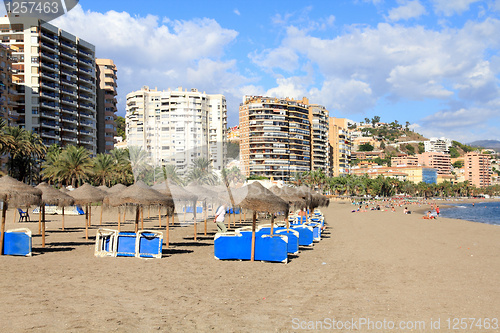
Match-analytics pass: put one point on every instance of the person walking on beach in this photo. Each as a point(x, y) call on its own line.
point(219, 218)
point(437, 210)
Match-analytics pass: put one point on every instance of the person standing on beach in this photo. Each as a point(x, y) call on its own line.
point(219, 218)
point(437, 210)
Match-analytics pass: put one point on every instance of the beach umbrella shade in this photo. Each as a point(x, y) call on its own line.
point(16, 193)
point(116, 189)
point(52, 197)
point(139, 195)
point(86, 195)
point(259, 199)
point(204, 194)
point(175, 193)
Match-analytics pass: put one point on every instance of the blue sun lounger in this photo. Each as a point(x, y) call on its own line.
point(316, 230)
point(293, 237)
point(238, 245)
point(125, 244)
point(17, 242)
point(105, 243)
point(149, 244)
point(306, 234)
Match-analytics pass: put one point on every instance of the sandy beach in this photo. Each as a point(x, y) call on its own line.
point(376, 265)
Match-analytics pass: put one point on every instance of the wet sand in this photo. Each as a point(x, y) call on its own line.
point(375, 265)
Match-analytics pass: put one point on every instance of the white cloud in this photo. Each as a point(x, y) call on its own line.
point(281, 57)
point(411, 9)
point(157, 51)
point(237, 12)
point(451, 7)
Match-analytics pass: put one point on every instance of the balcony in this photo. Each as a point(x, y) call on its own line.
point(68, 55)
point(68, 45)
point(49, 37)
point(49, 47)
point(71, 65)
point(87, 106)
point(68, 101)
point(69, 120)
point(50, 57)
point(49, 76)
point(50, 105)
point(51, 86)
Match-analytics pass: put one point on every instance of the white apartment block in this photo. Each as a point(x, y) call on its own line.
point(177, 126)
point(438, 145)
point(54, 74)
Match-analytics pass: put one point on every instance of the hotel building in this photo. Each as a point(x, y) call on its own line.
point(440, 161)
point(404, 160)
point(176, 127)
point(8, 91)
point(478, 169)
point(319, 120)
point(414, 174)
point(106, 105)
point(54, 74)
point(275, 137)
point(439, 145)
point(339, 146)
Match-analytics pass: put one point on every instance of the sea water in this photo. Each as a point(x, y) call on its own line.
point(484, 212)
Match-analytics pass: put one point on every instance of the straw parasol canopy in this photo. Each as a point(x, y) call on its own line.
point(116, 188)
point(87, 194)
point(290, 195)
point(258, 198)
point(17, 193)
point(103, 188)
point(202, 192)
point(138, 194)
point(52, 196)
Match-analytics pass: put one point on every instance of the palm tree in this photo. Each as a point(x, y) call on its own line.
point(104, 167)
point(24, 154)
point(6, 140)
point(50, 165)
point(139, 161)
point(170, 173)
point(75, 165)
point(201, 171)
point(122, 166)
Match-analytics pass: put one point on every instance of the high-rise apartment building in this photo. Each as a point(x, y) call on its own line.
point(404, 160)
point(106, 104)
point(339, 146)
point(177, 127)
point(318, 118)
point(54, 73)
point(437, 160)
point(478, 169)
point(440, 145)
point(8, 91)
point(275, 137)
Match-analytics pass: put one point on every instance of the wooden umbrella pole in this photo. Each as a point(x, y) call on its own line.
point(254, 220)
point(240, 214)
point(124, 212)
point(167, 229)
point(228, 220)
point(87, 221)
point(90, 215)
point(184, 218)
point(195, 224)
point(137, 218)
point(119, 216)
point(149, 211)
point(14, 220)
point(159, 215)
point(62, 217)
point(206, 216)
point(142, 218)
point(272, 224)
point(100, 221)
point(245, 215)
point(43, 226)
point(2, 231)
point(40, 220)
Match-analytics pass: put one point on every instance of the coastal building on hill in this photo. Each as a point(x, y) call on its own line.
point(8, 93)
point(404, 160)
point(178, 126)
point(339, 145)
point(438, 160)
point(477, 169)
point(438, 145)
point(54, 76)
point(414, 174)
point(106, 105)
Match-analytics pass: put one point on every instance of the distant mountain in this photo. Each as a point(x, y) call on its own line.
point(490, 144)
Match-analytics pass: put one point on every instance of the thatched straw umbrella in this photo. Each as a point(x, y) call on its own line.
point(51, 196)
point(204, 194)
point(16, 193)
point(117, 189)
point(86, 195)
point(139, 195)
point(105, 189)
point(259, 199)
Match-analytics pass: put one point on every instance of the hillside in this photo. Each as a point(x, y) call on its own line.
point(489, 144)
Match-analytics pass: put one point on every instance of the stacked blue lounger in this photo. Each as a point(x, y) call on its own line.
point(17, 242)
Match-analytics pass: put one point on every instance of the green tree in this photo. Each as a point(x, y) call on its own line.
point(375, 120)
point(365, 147)
point(75, 165)
point(454, 152)
point(458, 164)
point(233, 150)
point(421, 147)
point(201, 172)
point(103, 168)
point(120, 127)
point(410, 149)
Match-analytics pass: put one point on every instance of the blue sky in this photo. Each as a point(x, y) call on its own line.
point(433, 63)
